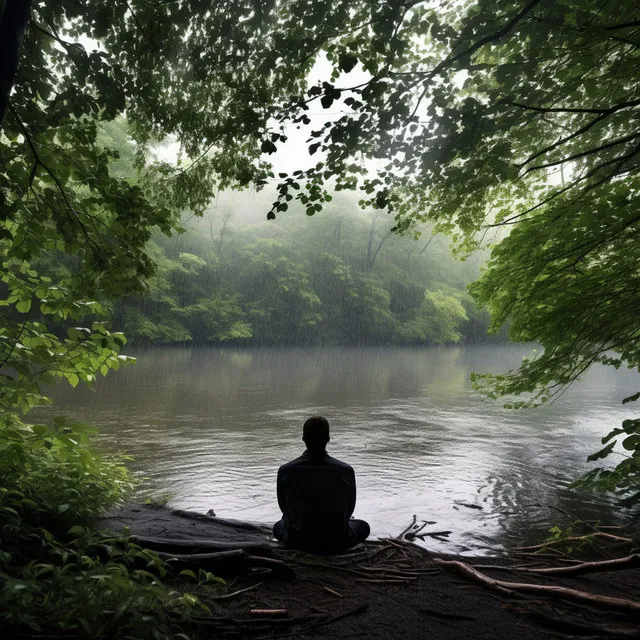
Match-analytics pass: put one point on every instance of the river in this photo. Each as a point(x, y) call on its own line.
point(212, 425)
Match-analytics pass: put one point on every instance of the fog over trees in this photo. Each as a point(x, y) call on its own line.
point(338, 278)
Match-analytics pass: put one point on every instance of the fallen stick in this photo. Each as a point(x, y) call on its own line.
point(399, 547)
point(390, 580)
point(172, 545)
point(228, 596)
point(217, 559)
point(505, 567)
point(415, 532)
point(401, 572)
point(535, 554)
point(587, 537)
point(235, 524)
point(565, 593)
point(628, 562)
point(332, 592)
point(407, 544)
point(270, 613)
point(411, 526)
point(365, 555)
point(226, 561)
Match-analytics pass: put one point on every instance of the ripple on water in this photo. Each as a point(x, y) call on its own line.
point(213, 425)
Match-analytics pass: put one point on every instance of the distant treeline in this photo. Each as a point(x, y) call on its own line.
point(338, 278)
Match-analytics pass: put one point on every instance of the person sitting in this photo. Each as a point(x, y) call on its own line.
point(317, 495)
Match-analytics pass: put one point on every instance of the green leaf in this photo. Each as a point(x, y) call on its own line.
point(347, 62)
point(603, 453)
point(631, 443)
point(268, 147)
point(189, 574)
point(632, 398)
point(24, 306)
point(40, 429)
point(326, 101)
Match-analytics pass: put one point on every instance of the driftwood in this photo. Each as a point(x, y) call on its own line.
point(236, 524)
point(416, 531)
point(565, 593)
point(438, 535)
point(390, 580)
point(628, 562)
point(270, 613)
point(575, 569)
point(226, 561)
point(170, 545)
point(408, 529)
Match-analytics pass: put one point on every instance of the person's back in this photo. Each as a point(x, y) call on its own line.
point(317, 495)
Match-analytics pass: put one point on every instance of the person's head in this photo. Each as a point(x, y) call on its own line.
point(315, 433)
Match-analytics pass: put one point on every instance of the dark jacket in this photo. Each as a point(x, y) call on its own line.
point(317, 495)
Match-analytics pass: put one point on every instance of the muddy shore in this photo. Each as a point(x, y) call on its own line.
point(384, 589)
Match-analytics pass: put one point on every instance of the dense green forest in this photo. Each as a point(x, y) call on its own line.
point(339, 278)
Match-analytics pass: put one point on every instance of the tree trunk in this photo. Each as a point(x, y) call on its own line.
point(13, 22)
point(375, 254)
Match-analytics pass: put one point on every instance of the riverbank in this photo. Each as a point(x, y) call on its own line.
point(384, 589)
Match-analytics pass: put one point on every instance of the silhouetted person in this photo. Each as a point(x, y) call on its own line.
point(317, 495)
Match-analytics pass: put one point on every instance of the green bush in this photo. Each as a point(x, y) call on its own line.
point(59, 475)
point(70, 580)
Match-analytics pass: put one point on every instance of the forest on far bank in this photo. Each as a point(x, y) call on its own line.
point(339, 278)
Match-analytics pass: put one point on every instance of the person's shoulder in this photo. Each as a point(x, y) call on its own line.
point(293, 463)
point(338, 463)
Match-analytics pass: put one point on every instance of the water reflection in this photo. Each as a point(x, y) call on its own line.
point(213, 425)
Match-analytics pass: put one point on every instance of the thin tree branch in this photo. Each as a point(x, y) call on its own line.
point(602, 110)
point(135, 18)
point(487, 39)
point(588, 152)
point(623, 25)
point(603, 114)
point(426, 246)
point(39, 161)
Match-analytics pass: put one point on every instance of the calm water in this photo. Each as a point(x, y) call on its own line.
point(212, 426)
